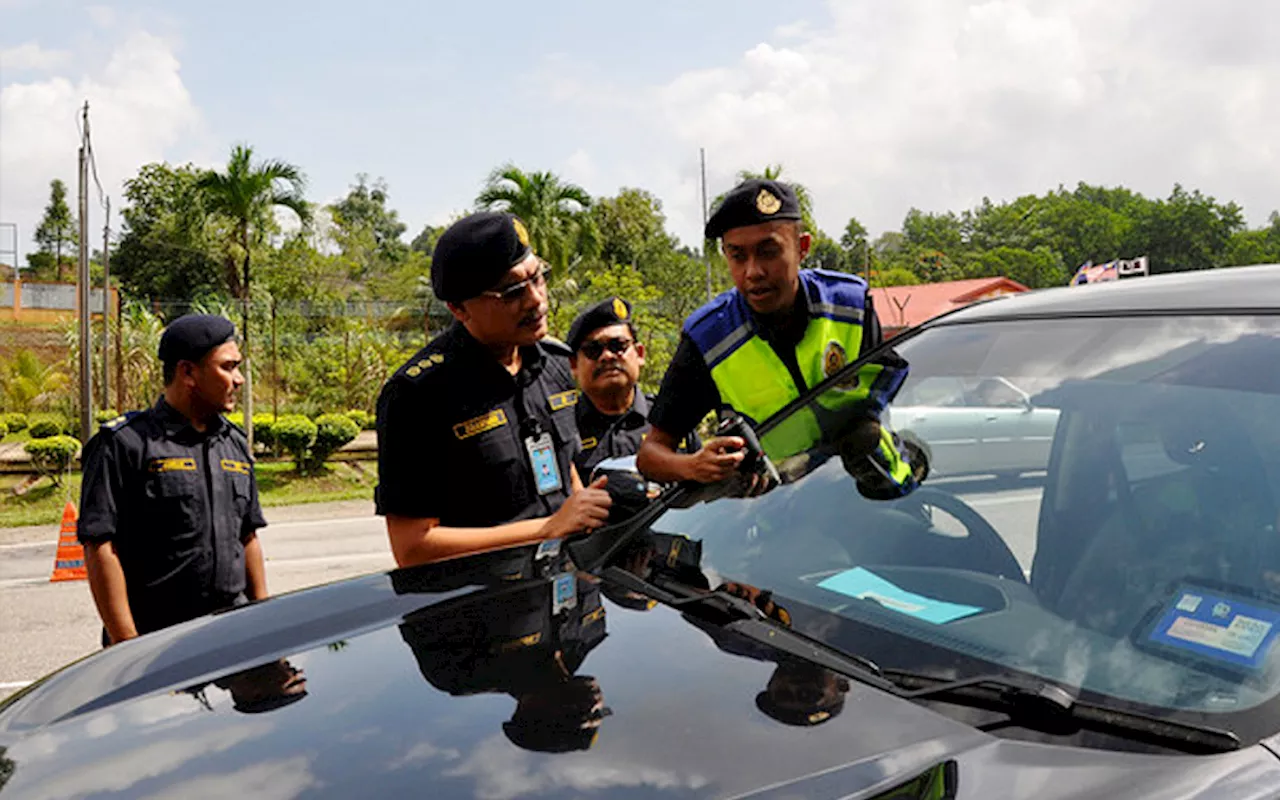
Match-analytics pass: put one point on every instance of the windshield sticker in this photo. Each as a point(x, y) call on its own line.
point(862, 584)
point(1219, 627)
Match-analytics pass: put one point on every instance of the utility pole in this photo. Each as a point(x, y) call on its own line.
point(106, 307)
point(85, 288)
point(706, 257)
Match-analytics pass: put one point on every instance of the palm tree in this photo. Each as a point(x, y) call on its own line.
point(27, 384)
point(247, 195)
point(555, 212)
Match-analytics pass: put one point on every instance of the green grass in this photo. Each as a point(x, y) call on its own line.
point(278, 485)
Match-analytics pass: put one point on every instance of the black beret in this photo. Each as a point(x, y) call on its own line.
point(753, 202)
point(475, 252)
point(614, 311)
point(189, 337)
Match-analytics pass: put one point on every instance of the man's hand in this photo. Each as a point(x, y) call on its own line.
point(719, 458)
point(585, 510)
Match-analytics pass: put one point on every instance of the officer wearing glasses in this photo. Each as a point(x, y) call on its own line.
point(476, 432)
point(607, 359)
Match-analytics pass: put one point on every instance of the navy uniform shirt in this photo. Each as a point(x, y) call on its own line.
point(177, 504)
point(452, 430)
point(616, 435)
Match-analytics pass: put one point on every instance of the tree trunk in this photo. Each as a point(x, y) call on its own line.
point(244, 335)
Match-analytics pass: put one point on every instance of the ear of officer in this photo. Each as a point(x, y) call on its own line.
point(476, 434)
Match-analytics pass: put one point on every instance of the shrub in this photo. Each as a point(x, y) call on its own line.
point(236, 418)
point(15, 421)
point(4, 429)
point(263, 430)
point(45, 428)
point(297, 435)
point(332, 432)
point(105, 415)
point(363, 419)
point(52, 455)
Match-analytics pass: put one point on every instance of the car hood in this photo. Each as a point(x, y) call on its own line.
point(403, 697)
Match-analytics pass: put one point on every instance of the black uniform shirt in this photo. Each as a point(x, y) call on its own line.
point(607, 436)
point(452, 429)
point(689, 392)
point(177, 504)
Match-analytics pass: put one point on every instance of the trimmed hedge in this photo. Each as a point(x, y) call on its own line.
point(52, 455)
point(14, 420)
point(297, 435)
point(105, 415)
point(47, 428)
point(363, 419)
point(4, 429)
point(332, 432)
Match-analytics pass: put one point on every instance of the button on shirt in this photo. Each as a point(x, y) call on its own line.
point(453, 431)
point(177, 504)
point(606, 436)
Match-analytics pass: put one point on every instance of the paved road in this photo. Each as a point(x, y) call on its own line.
point(46, 625)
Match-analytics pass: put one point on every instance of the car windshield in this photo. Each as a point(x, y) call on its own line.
point(1100, 510)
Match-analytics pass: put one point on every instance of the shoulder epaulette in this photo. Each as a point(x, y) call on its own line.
point(422, 364)
point(120, 421)
point(555, 347)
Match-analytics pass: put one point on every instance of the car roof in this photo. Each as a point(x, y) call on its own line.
point(1235, 289)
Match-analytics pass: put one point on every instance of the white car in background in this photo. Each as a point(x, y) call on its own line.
point(972, 426)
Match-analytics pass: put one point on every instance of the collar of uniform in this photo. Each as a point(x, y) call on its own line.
point(175, 422)
point(639, 405)
point(791, 329)
point(531, 360)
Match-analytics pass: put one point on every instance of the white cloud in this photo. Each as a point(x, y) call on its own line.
point(31, 56)
point(139, 111)
point(935, 103)
point(266, 781)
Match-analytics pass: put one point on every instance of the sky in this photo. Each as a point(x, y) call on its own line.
point(876, 106)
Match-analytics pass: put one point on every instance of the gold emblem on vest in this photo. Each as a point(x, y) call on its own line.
point(239, 467)
point(833, 358)
point(173, 465)
point(478, 425)
point(766, 203)
point(561, 400)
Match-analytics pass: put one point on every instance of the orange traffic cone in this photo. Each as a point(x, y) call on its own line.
point(68, 564)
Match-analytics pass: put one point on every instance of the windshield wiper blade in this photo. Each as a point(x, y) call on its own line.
point(1045, 706)
point(754, 624)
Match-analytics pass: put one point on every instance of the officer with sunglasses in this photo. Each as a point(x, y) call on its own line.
point(476, 432)
point(607, 358)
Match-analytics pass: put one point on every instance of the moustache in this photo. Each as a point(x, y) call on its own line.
point(604, 370)
point(533, 317)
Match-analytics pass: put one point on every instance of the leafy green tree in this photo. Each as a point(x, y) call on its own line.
point(554, 211)
point(363, 214)
point(169, 247)
point(631, 228)
point(855, 244)
point(57, 227)
point(425, 241)
point(247, 194)
point(28, 384)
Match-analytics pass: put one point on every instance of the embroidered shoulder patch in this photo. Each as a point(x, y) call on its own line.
point(478, 425)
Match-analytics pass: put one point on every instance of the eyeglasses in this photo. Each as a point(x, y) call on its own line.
point(596, 347)
point(514, 292)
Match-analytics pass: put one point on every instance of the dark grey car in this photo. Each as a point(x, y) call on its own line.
point(1103, 627)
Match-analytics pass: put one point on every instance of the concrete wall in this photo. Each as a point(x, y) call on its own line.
point(47, 302)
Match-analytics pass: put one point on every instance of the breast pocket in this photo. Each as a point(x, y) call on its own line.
point(241, 494)
point(174, 498)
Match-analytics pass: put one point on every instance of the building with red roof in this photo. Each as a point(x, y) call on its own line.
point(902, 307)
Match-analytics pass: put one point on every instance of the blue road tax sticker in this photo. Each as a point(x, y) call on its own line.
point(564, 593)
point(863, 584)
point(1218, 627)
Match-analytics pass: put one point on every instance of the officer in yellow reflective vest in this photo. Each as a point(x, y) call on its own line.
point(780, 331)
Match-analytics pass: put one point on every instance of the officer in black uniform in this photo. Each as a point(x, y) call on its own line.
point(169, 504)
point(476, 432)
point(607, 358)
point(528, 643)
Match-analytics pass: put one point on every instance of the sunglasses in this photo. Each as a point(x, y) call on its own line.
point(596, 347)
point(515, 292)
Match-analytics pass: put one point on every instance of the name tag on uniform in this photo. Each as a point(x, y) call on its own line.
point(542, 459)
point(173, 465)
point(239, 467)
point(564, 593)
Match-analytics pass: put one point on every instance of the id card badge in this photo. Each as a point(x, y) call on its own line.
point(548, 548)
point(542, 459)
point(564, 593)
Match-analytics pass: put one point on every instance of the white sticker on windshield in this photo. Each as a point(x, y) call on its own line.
point(1189, 603)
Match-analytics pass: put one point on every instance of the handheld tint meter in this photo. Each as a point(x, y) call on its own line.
point(754, 460)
